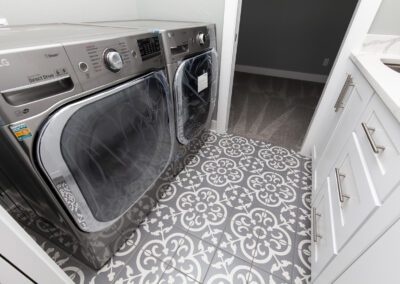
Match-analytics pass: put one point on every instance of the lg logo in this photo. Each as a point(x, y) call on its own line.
point(4, 62)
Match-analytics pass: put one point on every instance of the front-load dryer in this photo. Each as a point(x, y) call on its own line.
point(192, 66)
point(86, 132)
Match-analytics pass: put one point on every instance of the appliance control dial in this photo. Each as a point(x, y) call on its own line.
point(202, 38)
point(113, 60)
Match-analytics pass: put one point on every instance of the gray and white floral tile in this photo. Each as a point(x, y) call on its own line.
point(173, 276)
point(227, 269)
point(259, 276)
point(193, 257)
point(241, 234)
point(302, 264)
point(211, 214)
point(238, 212)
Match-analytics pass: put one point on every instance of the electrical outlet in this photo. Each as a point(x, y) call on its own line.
point(325, 62)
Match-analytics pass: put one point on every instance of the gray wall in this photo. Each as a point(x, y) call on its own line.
point(387, 20)
point(293, 35)
point(20, 12)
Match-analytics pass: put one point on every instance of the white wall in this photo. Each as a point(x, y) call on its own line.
point(184, 10)
point(20, 12)
point(387, 20)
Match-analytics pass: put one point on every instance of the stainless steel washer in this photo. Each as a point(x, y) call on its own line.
point(192, 66)
point(86, 131)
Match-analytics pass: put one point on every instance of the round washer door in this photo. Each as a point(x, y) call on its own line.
point(104, 152)
point(195, 86)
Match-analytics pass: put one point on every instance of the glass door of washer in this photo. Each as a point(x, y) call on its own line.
point(195, 87)
point(104, 152)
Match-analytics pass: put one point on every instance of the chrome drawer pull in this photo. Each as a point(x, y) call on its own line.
point(316, 236)
point(368, 131)
point(347, 84)
point(339, 185)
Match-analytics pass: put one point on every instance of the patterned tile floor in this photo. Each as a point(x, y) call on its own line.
point(238, 213)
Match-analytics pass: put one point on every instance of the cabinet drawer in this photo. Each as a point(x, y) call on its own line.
point(379, 264)
point(323, 247)
point(384, 131)
point(353, 195)
point(355, 101)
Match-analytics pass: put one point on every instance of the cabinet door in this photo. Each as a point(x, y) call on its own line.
point(355, 97)
point(323, 247)
point(9, 274)
point(379, 264)
point(379, 134)
point(353, 195)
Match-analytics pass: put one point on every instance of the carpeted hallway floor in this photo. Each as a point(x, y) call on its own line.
point(273, 109)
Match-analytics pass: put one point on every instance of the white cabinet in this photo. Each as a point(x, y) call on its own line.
point(323, 246)
point(355, 180)
point(353, 196)
point(379, 134)
point(379, 264)
point(352, 100)
point(9, 274)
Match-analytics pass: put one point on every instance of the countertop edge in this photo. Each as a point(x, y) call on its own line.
point(375, 73)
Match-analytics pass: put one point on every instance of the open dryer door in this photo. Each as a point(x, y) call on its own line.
point(104, 152)
point(195, 87)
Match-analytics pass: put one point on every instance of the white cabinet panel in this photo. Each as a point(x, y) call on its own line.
point(323, 247)
point(8, 274)
point(384, 130)
point(379, 264)
point(355, 100)
point(353, 196)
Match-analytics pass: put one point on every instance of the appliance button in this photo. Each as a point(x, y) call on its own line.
point(202, 38)
point(83, 67)
point(113, 60)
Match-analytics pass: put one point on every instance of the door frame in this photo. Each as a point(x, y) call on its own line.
point(230, 36)
point(358, 28)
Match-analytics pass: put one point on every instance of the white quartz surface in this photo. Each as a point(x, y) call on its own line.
point(384, 80)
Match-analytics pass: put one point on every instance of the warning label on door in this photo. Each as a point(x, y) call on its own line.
point(202, 82)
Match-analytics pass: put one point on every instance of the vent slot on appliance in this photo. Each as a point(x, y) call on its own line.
point(149, 47)
point(38, 91)
point(179, 49)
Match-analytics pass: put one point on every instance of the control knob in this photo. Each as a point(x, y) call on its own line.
point(202, 38)
point(113, 60)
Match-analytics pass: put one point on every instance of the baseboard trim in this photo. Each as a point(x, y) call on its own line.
point(281, 73)
point(213, 125)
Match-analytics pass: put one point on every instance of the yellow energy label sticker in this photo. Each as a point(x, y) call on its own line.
point(21, 131)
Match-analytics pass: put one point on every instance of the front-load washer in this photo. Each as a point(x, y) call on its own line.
point(86, 132)
point(192, 66)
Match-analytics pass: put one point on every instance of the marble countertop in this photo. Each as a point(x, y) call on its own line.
point(385, 81)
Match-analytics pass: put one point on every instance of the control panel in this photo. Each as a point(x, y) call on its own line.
point(181, 43)
point(102, 62)
point(59, 72)
point(34, 80)
point(149, 47)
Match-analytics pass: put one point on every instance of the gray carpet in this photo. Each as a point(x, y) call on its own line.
point(275, 110)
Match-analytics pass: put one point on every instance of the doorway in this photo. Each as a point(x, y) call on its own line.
point(285, 52)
